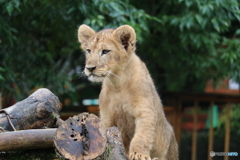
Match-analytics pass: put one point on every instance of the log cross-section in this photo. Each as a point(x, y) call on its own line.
point(81, 138)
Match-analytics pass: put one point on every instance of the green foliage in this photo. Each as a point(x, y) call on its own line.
point(198, 41)
point(1, 77)
point(183, 42)
point(39, 45)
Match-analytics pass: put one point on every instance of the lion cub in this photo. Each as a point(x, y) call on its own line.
point(128, 98)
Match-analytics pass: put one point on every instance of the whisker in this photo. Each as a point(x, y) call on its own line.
point(81, 75)
point(79, 71)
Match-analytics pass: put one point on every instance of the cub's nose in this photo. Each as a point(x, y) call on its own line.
point(91, 68)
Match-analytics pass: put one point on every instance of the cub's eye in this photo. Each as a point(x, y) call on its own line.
point(105, 51)
point(88, 51)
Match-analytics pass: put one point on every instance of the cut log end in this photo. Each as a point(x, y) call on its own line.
point(80, 137)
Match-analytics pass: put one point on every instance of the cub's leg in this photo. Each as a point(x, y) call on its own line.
point(141, 144)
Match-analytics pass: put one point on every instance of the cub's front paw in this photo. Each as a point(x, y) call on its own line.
point(138, 156)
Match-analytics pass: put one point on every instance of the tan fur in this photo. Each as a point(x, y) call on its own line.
point(128, 98)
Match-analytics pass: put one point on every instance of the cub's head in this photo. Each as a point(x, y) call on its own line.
point(106, 51)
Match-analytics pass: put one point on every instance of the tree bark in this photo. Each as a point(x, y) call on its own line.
point(115, 144)
point(83, 138)
point(27, 139)
point(39, 110)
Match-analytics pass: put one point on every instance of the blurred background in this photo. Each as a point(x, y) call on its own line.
point(191, 47)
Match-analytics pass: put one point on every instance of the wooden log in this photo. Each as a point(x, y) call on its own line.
point(115, 144)
point(27, 139)
point(82, 138)
point(39, 110)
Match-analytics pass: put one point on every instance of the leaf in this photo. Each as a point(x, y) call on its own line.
point(237, 32)
point(156, 19)
point(215, 24)
point(2, 78)
point(117, 8)
point(2, 69)
point(188, 3)
point(181, 26)
point(9, 8)
point(174, 21)
point(210, 6)
point(199, 18)
point(205, 10)
point(70, 10)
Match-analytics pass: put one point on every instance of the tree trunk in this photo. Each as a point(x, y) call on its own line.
point(39, 110)
point(27, 139)
point(82, 138)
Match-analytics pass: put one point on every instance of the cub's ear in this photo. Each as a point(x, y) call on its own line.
point(126, 36)
point(84, 33)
